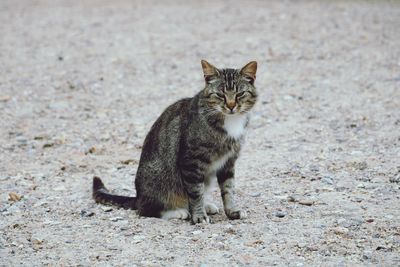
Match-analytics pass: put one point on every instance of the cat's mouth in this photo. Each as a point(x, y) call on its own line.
point(230, 112)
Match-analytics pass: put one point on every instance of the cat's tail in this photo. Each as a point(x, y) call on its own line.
point(102, 195)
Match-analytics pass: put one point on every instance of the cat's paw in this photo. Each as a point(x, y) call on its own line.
point(236, 214)
point(182, 214)
point(200, 218)
point(211, 208)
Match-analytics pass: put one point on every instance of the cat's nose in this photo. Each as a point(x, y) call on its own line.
point(231, 104)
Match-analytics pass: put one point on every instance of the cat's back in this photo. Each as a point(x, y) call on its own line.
point(163, 137)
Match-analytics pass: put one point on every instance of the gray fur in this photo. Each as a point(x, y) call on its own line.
point(189, 144)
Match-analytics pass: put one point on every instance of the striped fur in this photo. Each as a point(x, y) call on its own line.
point(192, 142)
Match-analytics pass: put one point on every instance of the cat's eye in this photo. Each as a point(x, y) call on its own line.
point(220, 95)
point(240, 94)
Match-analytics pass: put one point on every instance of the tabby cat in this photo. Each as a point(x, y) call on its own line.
point(194, 142)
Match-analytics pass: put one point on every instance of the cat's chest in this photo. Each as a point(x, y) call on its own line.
point(219, 162)
point(235, 125)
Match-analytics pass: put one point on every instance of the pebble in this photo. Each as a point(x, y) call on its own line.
point(106, 209)
point(280, 214)
point(292, 199)
point(85, 213)
point(395, 178)
point(220, 245)
point(367, 254)
point(197, 232)
point(361, 165)
point(301, 244)
point(138, 238)
point(314, 168)
point(5, 98)
point(340, 230)
point(255, 194)
point(306, 202)
point(350, 222)
point(37, 240)
point(361, 185)
point(14, 197)
point(21, 139)
point(327, 180)
point(327, 189)
point(115, 219)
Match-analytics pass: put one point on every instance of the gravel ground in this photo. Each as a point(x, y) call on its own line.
point(81, 83)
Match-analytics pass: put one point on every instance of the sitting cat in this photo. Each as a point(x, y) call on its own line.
point(194, 141)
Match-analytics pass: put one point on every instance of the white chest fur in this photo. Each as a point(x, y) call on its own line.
point(235, 125)
point(219, 163)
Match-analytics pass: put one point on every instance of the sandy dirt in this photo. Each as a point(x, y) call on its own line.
point(81, 83)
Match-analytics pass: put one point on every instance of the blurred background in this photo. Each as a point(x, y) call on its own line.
point(81, 83)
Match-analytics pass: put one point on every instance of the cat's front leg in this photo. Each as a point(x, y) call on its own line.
point(194, 184)
point(226, 183)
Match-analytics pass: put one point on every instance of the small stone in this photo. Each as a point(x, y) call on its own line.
point(129, 161)
point(106, 209)
point(255, 194)
point(353, 222)
point(340, 230)
point(395, 178)
point(138, 238)
point(85, 213)
point(306, 202)
point(5, 98)
point(314, 168)
point(115, 219)
point(301, 244)
point(220, 245)
point(370, 220)
point(367, 254)
point(292, 199)
point(280, 214)
point(37, 240)
point(326, 189)
point(21, 139)
point(91, 150)
point(362, 165)
point(327, 180)
point(197, 232)
point(361, 185)
point(14, 197)
point(48, 145)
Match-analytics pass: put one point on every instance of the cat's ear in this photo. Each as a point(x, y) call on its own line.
point(250, 71)
point(210, 72)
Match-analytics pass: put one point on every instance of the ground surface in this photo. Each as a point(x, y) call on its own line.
point(81, 84)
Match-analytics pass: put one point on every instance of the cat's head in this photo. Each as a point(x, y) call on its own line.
point(230, 91)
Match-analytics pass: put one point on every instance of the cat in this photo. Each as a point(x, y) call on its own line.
point(194, 142)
